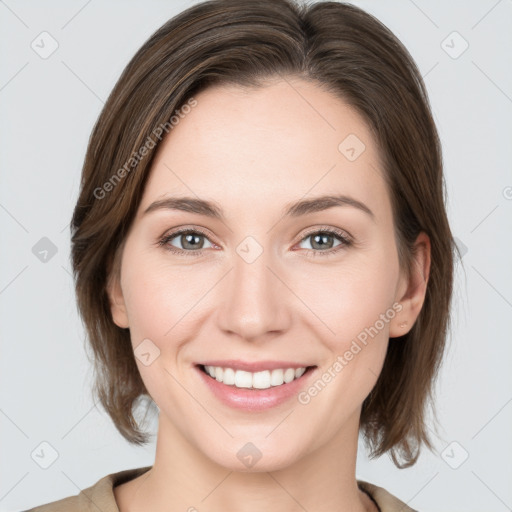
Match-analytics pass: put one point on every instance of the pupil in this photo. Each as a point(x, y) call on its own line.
point(190, 240)
point(321, 238)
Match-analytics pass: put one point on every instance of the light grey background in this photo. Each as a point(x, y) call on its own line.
point(48, 107)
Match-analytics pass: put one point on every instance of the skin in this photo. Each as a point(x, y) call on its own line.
point(253, 151)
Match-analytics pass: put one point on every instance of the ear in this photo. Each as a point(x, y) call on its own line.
point(412, 289)
point(116, 299)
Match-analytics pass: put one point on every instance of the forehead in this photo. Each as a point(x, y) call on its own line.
point(280, 141)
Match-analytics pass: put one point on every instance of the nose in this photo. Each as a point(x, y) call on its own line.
point(255, 304)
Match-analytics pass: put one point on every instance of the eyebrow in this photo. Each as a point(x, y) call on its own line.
point(295, 209)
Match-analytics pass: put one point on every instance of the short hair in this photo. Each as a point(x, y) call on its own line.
point(342, 49)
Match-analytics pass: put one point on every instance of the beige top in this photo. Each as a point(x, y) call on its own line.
point(100, 496)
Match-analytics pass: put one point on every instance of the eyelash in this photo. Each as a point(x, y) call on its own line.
point(345, 240)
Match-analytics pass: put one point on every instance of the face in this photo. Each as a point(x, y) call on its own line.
point(256, 291)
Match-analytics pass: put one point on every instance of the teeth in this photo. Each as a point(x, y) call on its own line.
point(261, 380)
point(256, 380)
point(289, 375)
point(243, 379)
point(229, 376)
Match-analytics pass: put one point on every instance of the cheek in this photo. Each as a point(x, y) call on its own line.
point(164, 305)
point(159, 299)
point(351, 297)
point(360, 319)
point(159, 302)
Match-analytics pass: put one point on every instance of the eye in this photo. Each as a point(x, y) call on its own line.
point(188, 240)
point(191, 241)
point(323, 241)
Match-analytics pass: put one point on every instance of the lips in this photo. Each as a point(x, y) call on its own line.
point(254, 386)
point(253, 366)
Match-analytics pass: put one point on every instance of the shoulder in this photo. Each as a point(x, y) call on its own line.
point(98, 496)
point(101, 496)
point(385, 500)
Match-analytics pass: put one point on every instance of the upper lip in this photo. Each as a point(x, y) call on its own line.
point(253, 366)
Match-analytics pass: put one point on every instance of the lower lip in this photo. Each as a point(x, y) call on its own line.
point(255, 399)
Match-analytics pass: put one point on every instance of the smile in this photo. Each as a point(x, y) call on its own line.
point(254, 386)
point(255, 380)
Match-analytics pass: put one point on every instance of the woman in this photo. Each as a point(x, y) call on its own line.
point(261, 247)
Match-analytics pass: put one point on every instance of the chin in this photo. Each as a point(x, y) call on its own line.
point(256, 456)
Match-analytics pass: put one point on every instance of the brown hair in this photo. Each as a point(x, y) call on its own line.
point(245, 42)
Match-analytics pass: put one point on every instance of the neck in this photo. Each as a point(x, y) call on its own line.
point(182, 478)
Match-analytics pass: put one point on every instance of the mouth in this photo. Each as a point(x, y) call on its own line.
point(263, 379)
point(267, 385)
